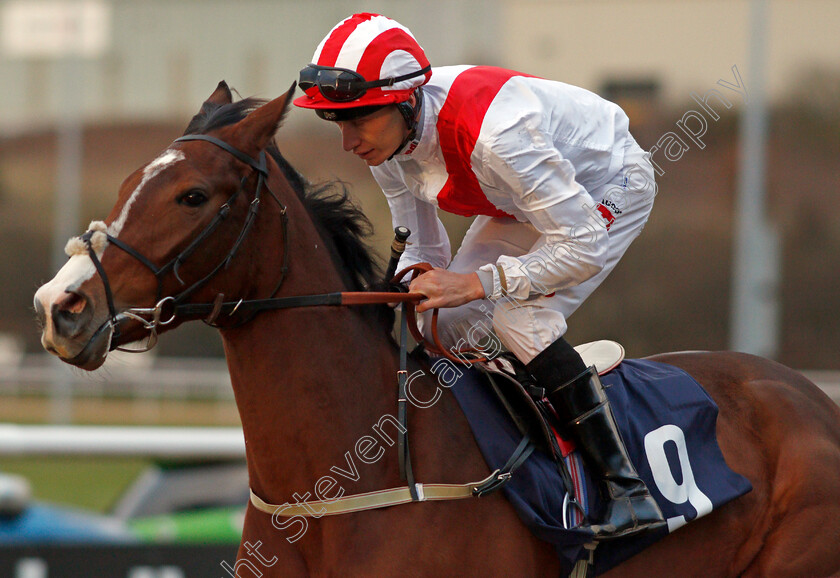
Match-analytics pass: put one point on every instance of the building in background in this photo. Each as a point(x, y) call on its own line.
point(165, 56)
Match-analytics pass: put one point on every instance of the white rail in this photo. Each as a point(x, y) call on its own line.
point(137, 376)
point(151, 442)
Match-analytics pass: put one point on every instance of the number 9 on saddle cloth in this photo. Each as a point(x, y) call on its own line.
point(668, 423)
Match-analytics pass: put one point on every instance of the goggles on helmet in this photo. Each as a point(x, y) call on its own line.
point(344, 85)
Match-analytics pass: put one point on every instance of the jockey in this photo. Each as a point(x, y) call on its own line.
point(558, 188)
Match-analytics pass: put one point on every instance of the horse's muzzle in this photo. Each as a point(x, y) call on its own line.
point(67, 324)
point(93, 355)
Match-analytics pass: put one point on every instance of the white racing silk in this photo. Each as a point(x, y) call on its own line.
point(554, 159)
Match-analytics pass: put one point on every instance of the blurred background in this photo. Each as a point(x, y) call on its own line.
point(739, 100)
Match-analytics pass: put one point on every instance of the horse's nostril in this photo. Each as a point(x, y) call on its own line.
point(71, 314)
point(71, 303)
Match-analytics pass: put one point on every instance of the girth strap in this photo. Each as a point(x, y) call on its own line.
point(396, 496)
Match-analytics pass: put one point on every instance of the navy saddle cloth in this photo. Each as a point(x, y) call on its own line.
point(667, 421)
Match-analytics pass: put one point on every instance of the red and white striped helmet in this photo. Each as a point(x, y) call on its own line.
point(371, 48)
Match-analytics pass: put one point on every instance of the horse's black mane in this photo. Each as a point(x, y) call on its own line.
point(341, 221)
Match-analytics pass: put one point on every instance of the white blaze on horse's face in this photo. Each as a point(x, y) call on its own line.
point(62, 296)
point(154, 168)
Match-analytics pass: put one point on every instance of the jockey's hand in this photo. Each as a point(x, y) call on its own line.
point(446, 289)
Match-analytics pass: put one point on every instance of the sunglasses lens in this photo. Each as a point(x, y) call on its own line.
point(308, 78)
point(335, 84)
point(341, 85)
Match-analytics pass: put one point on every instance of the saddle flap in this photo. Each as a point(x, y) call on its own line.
point(604, 354)
point(512, 392)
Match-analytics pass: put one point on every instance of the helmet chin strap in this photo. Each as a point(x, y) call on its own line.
point(411, 114)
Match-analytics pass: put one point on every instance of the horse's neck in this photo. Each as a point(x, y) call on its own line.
point(316, 390)
point(309, 383)
point(307, 380)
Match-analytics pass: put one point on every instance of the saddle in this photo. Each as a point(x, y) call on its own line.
point(525, 401)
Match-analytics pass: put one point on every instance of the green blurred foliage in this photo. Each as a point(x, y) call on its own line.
point(84, 482)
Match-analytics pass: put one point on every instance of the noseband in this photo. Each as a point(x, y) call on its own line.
point(167, 308)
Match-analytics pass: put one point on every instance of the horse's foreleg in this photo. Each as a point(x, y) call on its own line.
point(266, 551)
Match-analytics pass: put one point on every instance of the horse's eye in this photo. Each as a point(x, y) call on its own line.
point(193, 198)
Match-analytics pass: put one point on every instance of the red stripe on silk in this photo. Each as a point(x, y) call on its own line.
point(459, 124)
point(378, 50)
point(332, 47)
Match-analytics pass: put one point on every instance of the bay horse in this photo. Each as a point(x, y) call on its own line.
point(312, 383)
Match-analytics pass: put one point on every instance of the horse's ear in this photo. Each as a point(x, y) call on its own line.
point(220, 96)
point(257, 129)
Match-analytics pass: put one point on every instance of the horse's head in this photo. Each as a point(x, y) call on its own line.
point(164, 240)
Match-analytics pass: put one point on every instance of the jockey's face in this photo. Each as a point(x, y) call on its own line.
point(374, 137)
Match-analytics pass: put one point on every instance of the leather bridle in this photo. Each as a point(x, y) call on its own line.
point(168, 308)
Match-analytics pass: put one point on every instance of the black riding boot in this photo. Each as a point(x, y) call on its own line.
point(584, 412)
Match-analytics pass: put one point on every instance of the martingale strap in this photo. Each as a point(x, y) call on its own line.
point(369, 500)
point(413, 491)
point(406, 473)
